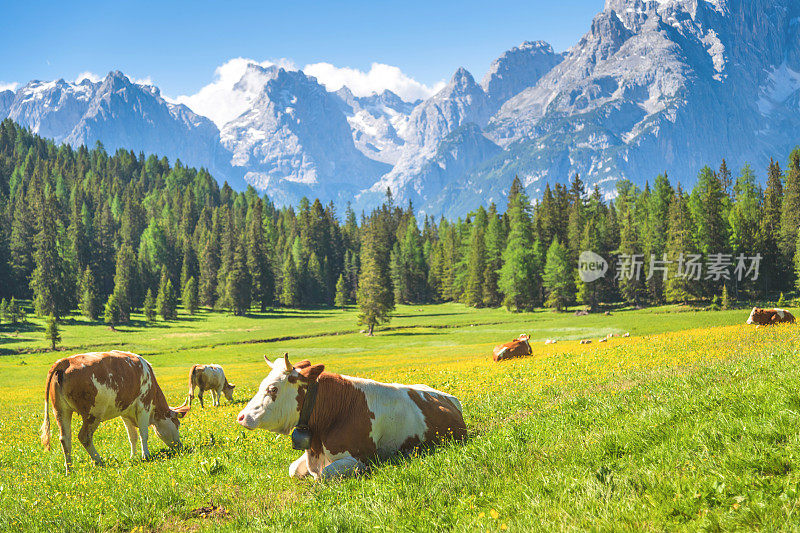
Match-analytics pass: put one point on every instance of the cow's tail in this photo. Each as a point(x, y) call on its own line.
point(56, 370)
point(192, 374)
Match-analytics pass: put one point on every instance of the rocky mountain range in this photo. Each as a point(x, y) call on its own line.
point(654, 86)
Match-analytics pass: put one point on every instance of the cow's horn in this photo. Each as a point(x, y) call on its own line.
point(286, 360)
point(266, 358)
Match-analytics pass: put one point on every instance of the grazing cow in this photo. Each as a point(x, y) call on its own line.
point(209, 377)
point(603, 339)
point(550, 341)
point(765, 317)
point(102, 386)
point(516, 348)
point(352, 421)
point(585, 341)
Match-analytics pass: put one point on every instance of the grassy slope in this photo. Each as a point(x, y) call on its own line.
point(691, 428)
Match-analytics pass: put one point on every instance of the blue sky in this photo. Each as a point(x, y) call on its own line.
point(179, 44)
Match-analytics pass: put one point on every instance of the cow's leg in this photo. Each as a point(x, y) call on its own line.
point(200, 397)
point(133, 434)
point(64, 421)
point(86, 436)
point(346, 466)
point(299, 468)
point(144, 423)
point(215, 396)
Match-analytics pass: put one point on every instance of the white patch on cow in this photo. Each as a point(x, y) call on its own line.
point(279, 415)
point(502, 352)
point(105, 407)
point(781, 313)
point(752, 314)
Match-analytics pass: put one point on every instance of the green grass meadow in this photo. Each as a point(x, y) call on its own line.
point(691, 423)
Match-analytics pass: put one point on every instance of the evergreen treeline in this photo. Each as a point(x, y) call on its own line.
point(108, 234)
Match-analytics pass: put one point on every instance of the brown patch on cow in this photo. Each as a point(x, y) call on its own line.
point(765, 317)
point(341, 419)
point(515, 348)
point(442, 418)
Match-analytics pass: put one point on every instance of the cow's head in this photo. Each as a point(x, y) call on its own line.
point(227, 390)
point(758, 316)
point(524, 337)
point(167, 427)
point(276, 405)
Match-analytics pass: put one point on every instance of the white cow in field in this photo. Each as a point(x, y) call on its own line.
point(102, 386)
point(209, 377)
point(352, 420)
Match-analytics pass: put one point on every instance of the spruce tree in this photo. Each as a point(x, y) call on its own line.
point(790, 209)
point(520, 274)
point(680, 247)
point(4, 310)
point(124, 279)
point(88, 298)
point(111, 313)
point(167, 300)
point(290, 296)
point(209, 264)
point(374, 298)
point(589, 293)
point(773, 271)
point(49, 277)
point(708, 205)
point(744, 221)
point(476, 266)
point(51, 332)
point(495, 245)
point(258, 258)
point(238, 284)
point(149, 307)
point(557, 276)
point(189, 296)
point(341, 293)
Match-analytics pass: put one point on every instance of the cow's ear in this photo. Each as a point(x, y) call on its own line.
point(311, 373)
point(266, 358)
point(181, 411)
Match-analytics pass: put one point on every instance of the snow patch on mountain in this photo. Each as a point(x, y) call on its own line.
point(779, 86)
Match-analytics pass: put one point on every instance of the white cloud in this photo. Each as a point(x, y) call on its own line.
point(12, 86)
point(230, 93)
point(225, 98)
point(147, 80)
point(87, 75)
point(379, 78)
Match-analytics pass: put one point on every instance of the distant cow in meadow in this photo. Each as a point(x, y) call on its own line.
point(765, 317)
point(519, 347)
point(102, 386)
point(351, 421)
point(209, 377)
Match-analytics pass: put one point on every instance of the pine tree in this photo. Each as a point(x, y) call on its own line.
point(589, 293)
point(769, 231)
point(167, 300)
point(476, 266)
point(111, 313)
point(88, 299)
point(520, 273)
point(149, 307)
point(51, 332)
point(495, 245)
point(631, 285)
point(209, 265)
point(790, 209)
point(744, 221)
point(4, 311)
point(680, 247)
point(341, 293)
point(290, 296)
point(375, 299)
point(557, 276)
point(258, 259)
point(708, 205)
point(781, 301)
point(189, 296)
point(238, 284)
point(656, 233)
point(49, 277)
point(124, 279)
point(726, 300)
point(16, 314)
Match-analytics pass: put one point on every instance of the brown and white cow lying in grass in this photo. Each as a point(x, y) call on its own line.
point(765, 317)
point(102, 386)
point(354, 420)
point(519, 347)
point(209, 377)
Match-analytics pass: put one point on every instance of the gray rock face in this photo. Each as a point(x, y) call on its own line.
point(376, 122)
point(295, 141)
point(517, 69)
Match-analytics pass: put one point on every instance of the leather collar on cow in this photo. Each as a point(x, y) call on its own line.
point(301, 434)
